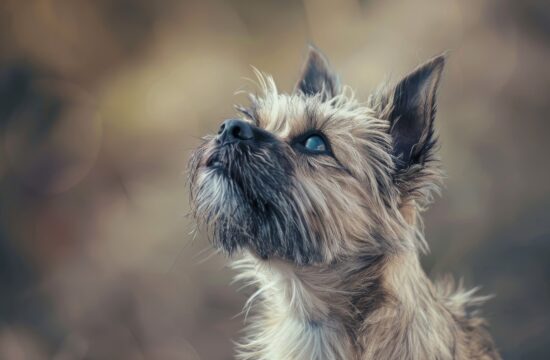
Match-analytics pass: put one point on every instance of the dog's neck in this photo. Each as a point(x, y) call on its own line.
point(381, 307)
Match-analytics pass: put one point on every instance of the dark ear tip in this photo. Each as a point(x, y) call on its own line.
point(315, 55)
point(312, 47)
point(437, 63)
point(430, 71)
point(316, 76)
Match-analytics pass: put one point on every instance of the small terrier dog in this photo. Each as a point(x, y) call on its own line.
point(319, 194)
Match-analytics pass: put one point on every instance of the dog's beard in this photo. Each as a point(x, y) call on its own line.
point(245, 194)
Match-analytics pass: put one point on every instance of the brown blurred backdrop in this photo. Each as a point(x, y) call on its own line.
point(101, 102)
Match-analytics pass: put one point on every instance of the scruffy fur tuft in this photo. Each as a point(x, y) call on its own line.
point(316, 197)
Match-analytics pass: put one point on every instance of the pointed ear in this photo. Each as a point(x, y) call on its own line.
point(316, 77)
point(413, 108)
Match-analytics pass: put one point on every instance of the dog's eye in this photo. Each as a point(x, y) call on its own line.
point(315, 143)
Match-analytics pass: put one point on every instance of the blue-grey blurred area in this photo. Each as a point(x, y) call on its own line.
point(102, 101)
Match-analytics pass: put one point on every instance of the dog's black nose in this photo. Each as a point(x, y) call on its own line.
point(235, 130)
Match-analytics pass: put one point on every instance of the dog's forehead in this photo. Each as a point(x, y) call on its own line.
point(357, 136)
point(289, 116)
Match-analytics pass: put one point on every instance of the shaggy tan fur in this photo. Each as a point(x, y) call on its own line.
point(365, 296)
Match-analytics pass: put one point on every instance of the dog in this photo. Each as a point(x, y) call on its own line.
point(317, 198)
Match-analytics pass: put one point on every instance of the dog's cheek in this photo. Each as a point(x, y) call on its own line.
point(335, 206)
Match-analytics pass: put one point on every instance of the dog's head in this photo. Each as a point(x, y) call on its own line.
point(315, 176)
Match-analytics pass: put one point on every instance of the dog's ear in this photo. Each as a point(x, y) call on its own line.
point(412, 108)
point(317, 77)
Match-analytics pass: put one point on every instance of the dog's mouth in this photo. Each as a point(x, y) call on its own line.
point(215, 163)
point(221, 167)
point(239, 176)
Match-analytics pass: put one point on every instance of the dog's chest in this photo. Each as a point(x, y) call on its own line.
point(295, 339)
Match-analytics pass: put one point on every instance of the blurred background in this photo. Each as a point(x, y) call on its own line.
point(102, 101)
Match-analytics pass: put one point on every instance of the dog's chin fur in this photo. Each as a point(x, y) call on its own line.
point(332, 241)
point(249, 201)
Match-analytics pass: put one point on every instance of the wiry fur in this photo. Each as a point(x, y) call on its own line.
point(331, 242)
